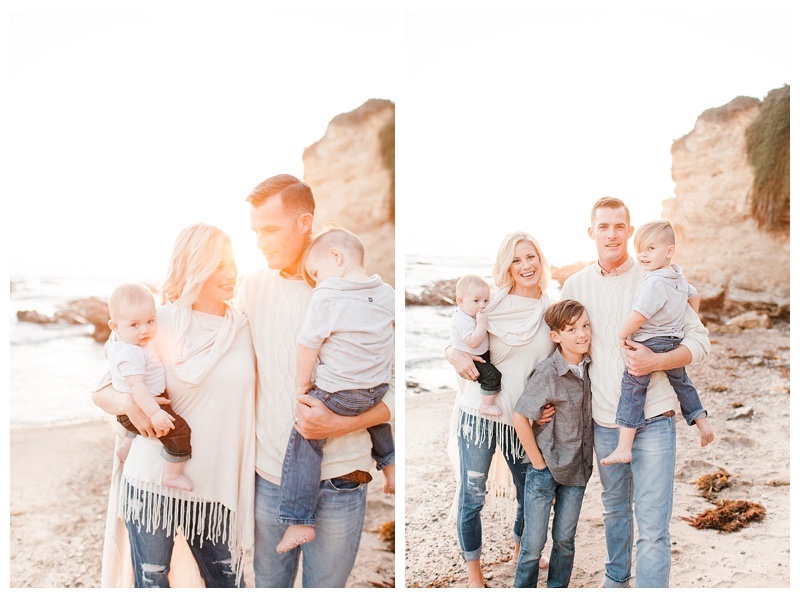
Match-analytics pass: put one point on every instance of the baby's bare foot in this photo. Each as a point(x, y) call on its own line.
point(618, 456)
point(122, 451)
point(179, 482)
point(706, 433)
point(388, 483)
point(296, 535)
point(491, 410)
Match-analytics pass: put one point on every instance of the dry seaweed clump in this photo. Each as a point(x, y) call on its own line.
point(711, 483)
point(729, 516)
point(386, 534)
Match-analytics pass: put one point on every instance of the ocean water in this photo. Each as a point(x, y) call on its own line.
point(427, 328)
point(53, 366)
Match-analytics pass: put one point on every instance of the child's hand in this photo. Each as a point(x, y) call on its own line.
point(162, 421)
point(481, 318)
point(623, 341)
point(302, 389)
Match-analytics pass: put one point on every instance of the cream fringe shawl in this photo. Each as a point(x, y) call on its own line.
point(518, 340)
point(211, 373)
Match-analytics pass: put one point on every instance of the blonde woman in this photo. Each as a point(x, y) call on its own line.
point(158, 536)
point(518, 340)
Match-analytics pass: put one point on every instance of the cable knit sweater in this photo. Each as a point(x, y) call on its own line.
point(276, 307)
point(608, 300)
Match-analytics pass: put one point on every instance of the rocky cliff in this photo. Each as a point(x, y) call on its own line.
point(736, 263)
point(351, 170)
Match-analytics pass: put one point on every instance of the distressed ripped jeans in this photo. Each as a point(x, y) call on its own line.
point(151, 553)
point(474, 461)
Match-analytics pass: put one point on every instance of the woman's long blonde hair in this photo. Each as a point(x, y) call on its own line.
point(195, 256)
point(505, 255)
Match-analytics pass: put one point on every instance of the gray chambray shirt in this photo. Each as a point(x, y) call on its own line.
point(566, 442)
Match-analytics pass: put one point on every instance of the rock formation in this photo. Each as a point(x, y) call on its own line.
point(351, 170)
point(736, 265)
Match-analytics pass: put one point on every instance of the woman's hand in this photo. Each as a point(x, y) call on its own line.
point(548, 411)
point(464, 363)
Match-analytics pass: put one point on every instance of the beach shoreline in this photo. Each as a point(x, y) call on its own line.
point(746, 371)
point(59, 482)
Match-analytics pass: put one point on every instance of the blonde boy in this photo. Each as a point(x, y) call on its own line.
point(469, 333)
point(135, 368)
point(344, 359)
point(657, 322)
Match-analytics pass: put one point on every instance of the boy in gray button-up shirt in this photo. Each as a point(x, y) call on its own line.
point(560, 452)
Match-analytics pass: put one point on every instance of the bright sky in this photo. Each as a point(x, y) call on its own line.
point(128, 124)
point(521, 120)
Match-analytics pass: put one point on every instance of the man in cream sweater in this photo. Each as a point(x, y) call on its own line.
point(275, 300)
point(606, 288)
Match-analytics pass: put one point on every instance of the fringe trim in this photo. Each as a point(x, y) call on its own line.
point(507, 439)
point(141, 503)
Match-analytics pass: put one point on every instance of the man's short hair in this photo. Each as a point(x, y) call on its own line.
point(294, 193)
point(563, 313)
point(612, 203)
point(651, 231)
point(467, 281)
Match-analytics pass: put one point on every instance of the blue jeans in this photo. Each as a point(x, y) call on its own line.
point(540, 492)
point(327, 560)
point(648, 482)
point(474, 461)
point(630, 410)
point(151, 553)
point(303, 461)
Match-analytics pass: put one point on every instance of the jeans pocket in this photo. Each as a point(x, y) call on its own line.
point(343, 485)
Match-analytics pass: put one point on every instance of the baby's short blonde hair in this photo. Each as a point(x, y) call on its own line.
point(657, 230)
point(468, 281)
point(128, 294)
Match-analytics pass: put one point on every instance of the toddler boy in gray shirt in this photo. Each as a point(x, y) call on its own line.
point(657, 322)
point(344, 359)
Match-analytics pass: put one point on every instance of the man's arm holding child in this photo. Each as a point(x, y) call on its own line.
point(315, 421)
point(693, 348)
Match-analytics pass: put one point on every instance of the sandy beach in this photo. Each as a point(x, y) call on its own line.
point(59, 479)
point(746, 371)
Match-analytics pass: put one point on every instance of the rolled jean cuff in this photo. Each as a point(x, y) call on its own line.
point(700, 414)
point(473, 555)
point(611, 583)
point(387, 460)
point(487, 392)
point(175, 458)
point(290, 521)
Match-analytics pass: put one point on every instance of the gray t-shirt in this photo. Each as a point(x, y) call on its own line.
point(661, 298)
point(352, 325)
point(566, 443)
point(461, 326)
